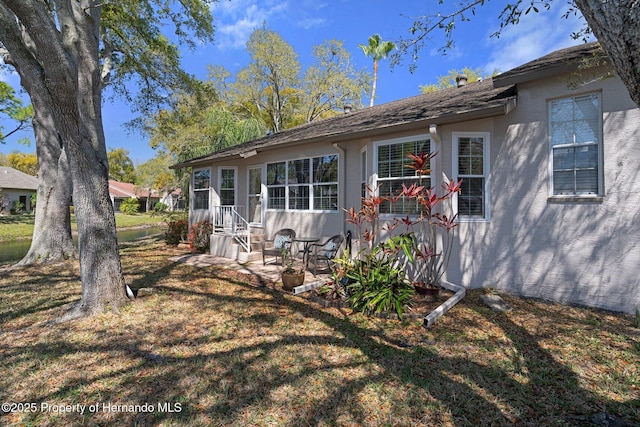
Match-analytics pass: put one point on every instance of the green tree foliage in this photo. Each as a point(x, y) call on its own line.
point(137, 49)
point(377, 49)
point(267, 95)
point(155, 173)
point(449, 80)
point(120, 166)
point(12, 109)
point(189, 129)
point(269, 84)
point(332, 82)
point(27, 163)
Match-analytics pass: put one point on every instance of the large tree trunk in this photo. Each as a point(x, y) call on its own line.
point(64, 53)
point(81, 128)
point(52, 241)
point(616, 25)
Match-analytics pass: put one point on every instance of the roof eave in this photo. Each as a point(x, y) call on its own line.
point(503, 108)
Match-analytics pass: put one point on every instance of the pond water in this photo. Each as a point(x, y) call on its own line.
point(13, 250)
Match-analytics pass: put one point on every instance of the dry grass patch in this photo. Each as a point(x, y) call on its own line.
point(217, 348)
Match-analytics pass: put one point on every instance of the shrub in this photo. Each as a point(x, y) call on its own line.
point(160, 207)
point(129, 206)
point(176, 232)
point(199, 236)
point(376, 282)
point(17, 207)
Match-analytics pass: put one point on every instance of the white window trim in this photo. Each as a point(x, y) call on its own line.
point(374, 174)
point(485, 166)
point(311, 184)
point(577, 197)
point(364, 169)
point(193, 189)
point(235, 183)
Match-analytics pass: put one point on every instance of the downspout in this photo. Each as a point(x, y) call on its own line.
point(341, 181)
point(460, 291)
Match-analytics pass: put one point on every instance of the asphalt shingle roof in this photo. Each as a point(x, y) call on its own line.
point(11, 178)
point(475, 100)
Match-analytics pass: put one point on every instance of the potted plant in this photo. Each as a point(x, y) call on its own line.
point(292, 272)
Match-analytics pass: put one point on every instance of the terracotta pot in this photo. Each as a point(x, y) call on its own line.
point(291, 280)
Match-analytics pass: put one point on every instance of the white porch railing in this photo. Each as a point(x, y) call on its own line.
point(228, 220)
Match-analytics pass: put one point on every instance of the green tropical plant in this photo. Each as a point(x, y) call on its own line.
point(377, 283)
point(289, 264)
point(129, 206)
point(376, 49)
point(376, 278)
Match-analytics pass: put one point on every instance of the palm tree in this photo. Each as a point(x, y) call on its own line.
point(377, 49)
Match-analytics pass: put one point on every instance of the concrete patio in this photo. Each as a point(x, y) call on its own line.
point(270, 272)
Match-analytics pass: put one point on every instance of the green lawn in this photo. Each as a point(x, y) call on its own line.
point(21, 226)
point(210, 347)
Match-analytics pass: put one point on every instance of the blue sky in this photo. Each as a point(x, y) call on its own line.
point(307, 23)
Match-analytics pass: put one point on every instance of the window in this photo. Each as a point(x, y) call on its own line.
point(303, 184)
point(471, 164)
point(363, 173)
point(201, 183)
point(575, 126)
point(227, 187)
point(392, 171)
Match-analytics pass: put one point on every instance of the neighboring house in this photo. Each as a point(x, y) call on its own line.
point(17, 186)
point(549, 204)
point(173, 200)
point(147, 197)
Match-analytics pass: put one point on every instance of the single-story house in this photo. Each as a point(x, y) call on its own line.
point(147, 197)
point(548, 155)
point(119, 191)
point(17, 186)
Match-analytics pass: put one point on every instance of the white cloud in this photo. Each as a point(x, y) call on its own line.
point(236, 20)
point(536, 35)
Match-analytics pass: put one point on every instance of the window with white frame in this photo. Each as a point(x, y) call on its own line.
point(201, 184)
point(392, 170)
point(227, 186)
point(363, 173)
point(471, 165)
point(575, 129)
point(303, 184)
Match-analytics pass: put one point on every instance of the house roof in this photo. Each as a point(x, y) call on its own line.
point(124, 189)
point(473, 101)
point(557, 62)
point(491, 97)
point(17, 180)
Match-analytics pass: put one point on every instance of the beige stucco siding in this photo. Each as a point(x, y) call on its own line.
point(571, 251)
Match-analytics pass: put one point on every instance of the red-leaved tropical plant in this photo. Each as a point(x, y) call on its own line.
point(428, 236)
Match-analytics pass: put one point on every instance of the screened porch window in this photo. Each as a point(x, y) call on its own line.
point(201, 184)
point(227, 187)
point(303, 184)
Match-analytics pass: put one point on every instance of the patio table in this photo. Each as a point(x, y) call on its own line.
point(306, 241)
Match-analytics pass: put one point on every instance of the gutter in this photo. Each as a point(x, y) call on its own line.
point(342, 191)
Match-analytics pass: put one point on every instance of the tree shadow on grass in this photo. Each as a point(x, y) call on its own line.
point(222, 371)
